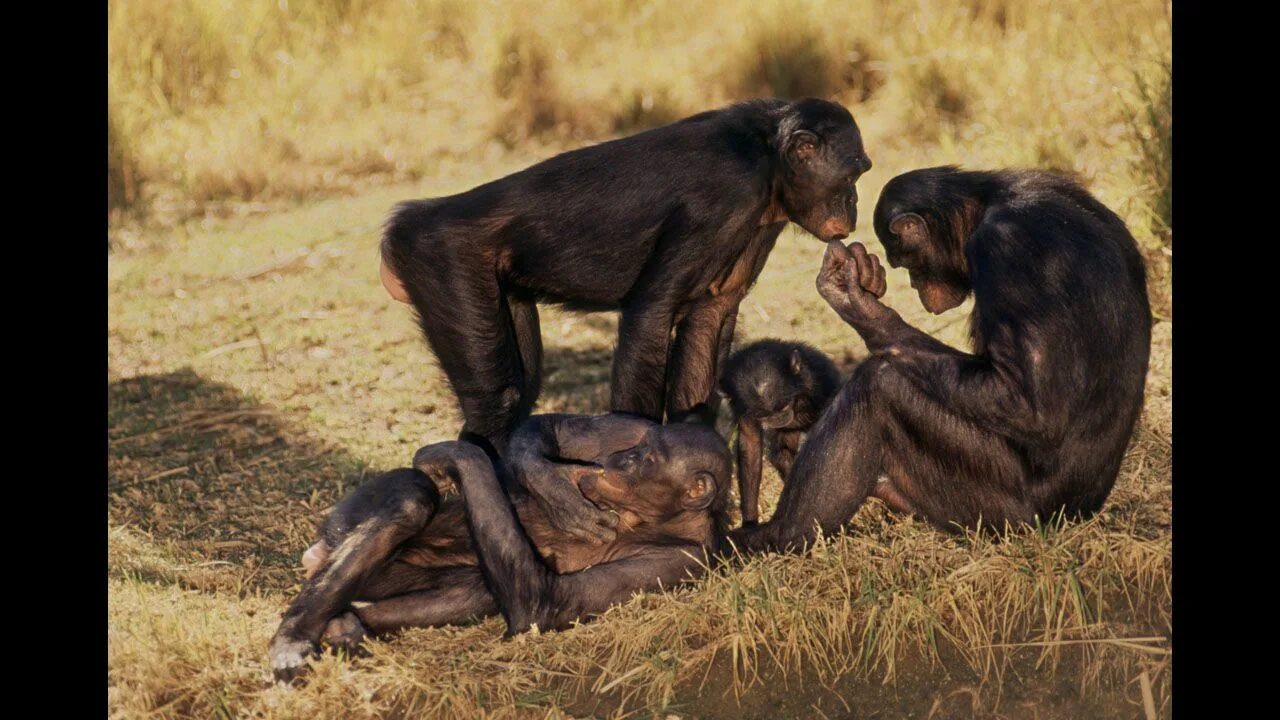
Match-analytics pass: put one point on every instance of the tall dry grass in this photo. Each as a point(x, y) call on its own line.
point(250, 101)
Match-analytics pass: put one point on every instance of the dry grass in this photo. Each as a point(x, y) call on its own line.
point(276, 101)
point(257, 369)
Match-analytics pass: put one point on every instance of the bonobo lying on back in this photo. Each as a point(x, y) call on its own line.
point(776, 391)
point(670, 226)
point(422, 560)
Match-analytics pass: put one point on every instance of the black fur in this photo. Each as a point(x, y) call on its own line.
point(1035, 420)
point(669, 226)
point(776, 390)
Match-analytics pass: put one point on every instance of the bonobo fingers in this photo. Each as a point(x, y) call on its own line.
point(584, 521)
point(871, 274)
point(838, 274)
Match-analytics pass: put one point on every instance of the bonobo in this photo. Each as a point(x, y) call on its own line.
point(776, 391)
point(670, 226)
point(1035, 420)
point(422, 560)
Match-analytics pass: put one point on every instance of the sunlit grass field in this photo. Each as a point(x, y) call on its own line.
point(257, 369)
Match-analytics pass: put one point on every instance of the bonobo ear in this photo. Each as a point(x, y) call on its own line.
point(795, 361)
point(700, 491)
point(909, 226)
point(802, 146)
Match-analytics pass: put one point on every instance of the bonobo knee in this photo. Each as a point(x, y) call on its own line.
point(403, 496)
point(444, 463)
point(872, 374)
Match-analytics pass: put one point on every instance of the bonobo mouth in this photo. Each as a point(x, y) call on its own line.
point(835, 228)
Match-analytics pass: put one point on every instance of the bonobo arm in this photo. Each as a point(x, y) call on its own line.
point(991, 390)
point(749, 447)
point(694, 366)
point(536, 453)
point(704, 336)
point(527, 591)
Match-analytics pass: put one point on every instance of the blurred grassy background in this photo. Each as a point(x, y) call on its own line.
point(258, 370)
point(218, 103)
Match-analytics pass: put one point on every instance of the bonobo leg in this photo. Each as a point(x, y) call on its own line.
point(406, 596)
point(946, 468)
point(783, 447)
point(361, 533)
point(527, 592)
point(476, 333)
point(528, 334)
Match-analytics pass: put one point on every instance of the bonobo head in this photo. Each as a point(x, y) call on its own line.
point(781, 384)
point(673, 469)
point(923, 219)
point(822, 157)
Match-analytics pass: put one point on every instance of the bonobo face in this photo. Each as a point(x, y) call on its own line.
point(823, 158)
point(674, 468)
point(915, 220)
point(771, 391)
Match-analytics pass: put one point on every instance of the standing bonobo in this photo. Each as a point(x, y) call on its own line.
point(421, 560)
point(776, 390)
point(670, 226)
point(1037, 418)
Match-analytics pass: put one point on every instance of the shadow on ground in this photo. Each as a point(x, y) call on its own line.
point(216, 479)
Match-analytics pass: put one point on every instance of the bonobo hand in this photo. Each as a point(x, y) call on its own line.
point(851, 279)
point(568, 510)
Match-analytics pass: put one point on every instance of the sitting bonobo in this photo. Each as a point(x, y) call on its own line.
point(420, 560)
point(776, 390)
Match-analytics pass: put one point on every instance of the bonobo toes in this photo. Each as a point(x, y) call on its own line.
point(346, 633)
point(289, 657)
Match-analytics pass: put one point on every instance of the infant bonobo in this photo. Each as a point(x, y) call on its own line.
point(776, 390)
point(418, 559)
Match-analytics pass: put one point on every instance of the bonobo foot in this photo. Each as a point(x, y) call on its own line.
point(289, 657)
point(346, 633)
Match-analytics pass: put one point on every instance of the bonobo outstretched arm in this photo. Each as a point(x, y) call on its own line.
point(993, 391)
point(749, 446)
point(537, 453)
point(527, 591)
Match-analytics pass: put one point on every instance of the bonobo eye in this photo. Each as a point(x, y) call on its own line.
point(628, 462)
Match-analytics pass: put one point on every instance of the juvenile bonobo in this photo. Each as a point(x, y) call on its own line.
point(1035, 420)
point(670, 226)
point(422, 560)
point(776, 391)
